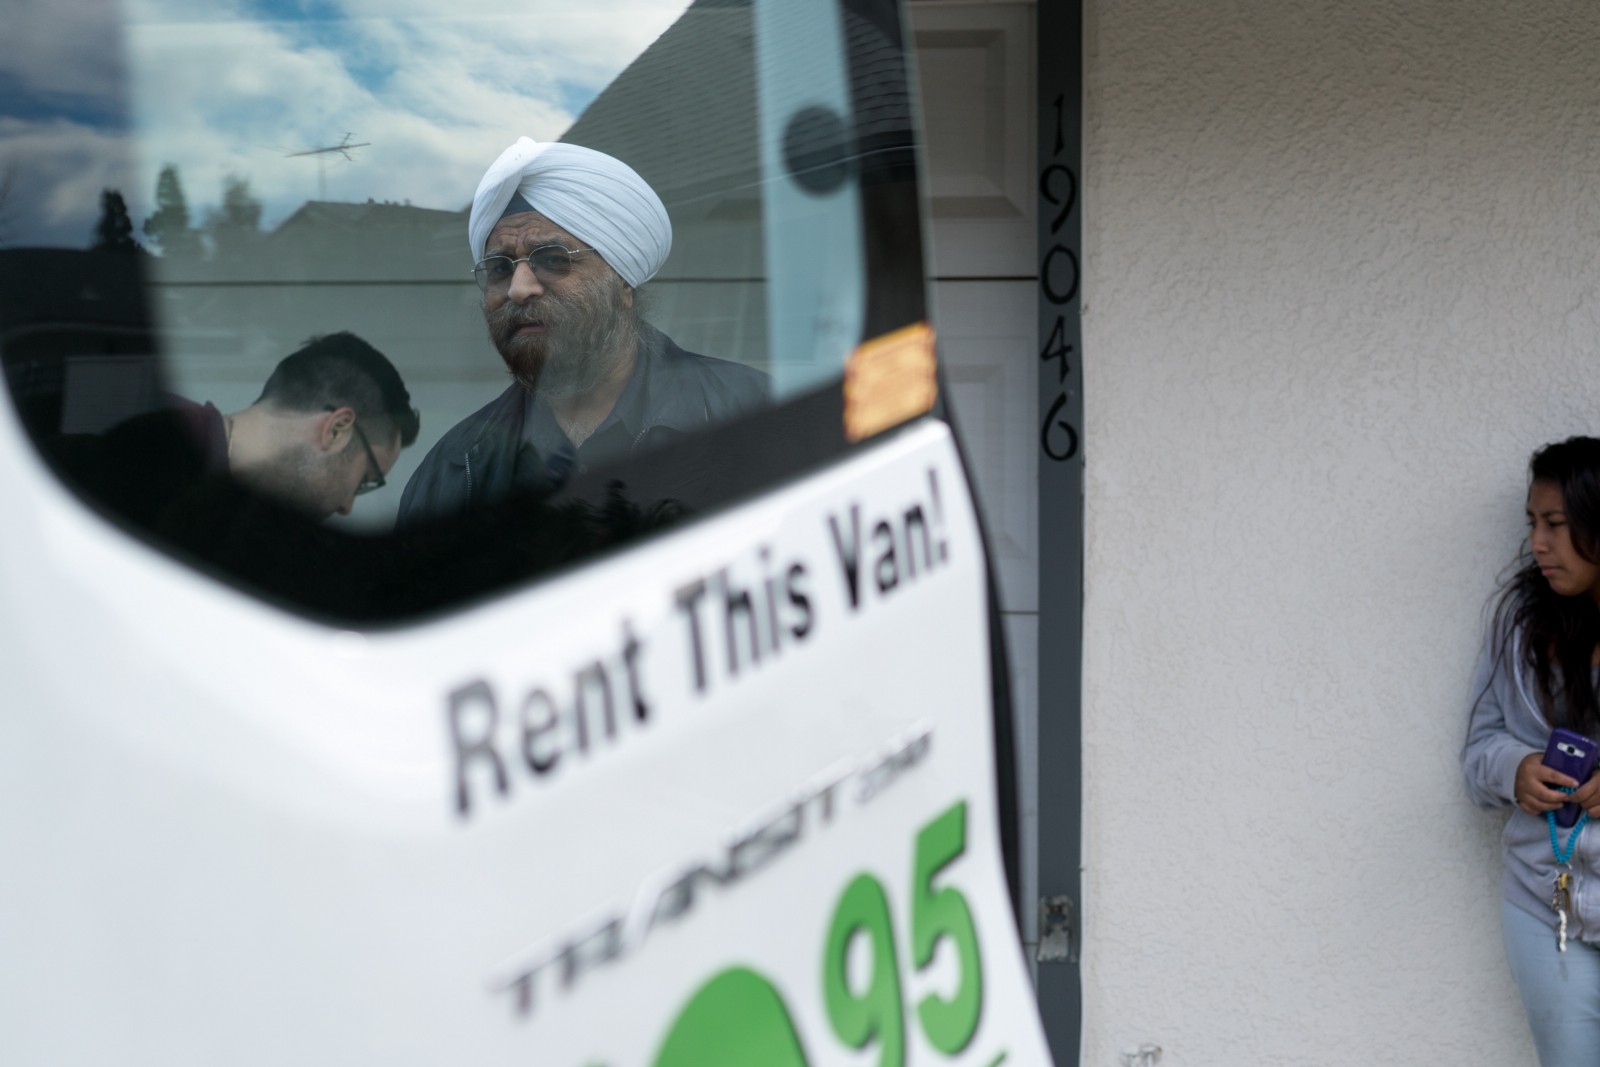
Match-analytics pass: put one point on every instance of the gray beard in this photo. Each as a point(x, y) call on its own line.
point(578, 361)
point(590, 336)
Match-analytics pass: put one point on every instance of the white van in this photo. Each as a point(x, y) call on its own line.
point(693, 757)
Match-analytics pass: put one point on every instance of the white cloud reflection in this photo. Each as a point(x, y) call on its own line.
point(216, 92)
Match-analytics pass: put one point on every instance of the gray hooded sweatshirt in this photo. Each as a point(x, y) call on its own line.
point(1505, 726)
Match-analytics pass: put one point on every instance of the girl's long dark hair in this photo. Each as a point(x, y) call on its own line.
point(1559, 633)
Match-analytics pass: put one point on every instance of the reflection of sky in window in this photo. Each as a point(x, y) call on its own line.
point(224, 94)
point(62, 120)
point(25, 102)
point(435, 98)
point(304, 11)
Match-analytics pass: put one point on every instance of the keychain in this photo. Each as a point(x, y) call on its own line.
point(1561, 901)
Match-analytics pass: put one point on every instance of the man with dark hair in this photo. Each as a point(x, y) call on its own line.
point(343, 367)
point(328, 426)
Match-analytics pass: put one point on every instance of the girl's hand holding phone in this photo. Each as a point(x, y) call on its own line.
point(1588, 796)
point(1538, 787)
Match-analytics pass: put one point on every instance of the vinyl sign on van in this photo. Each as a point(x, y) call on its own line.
point(726, 799)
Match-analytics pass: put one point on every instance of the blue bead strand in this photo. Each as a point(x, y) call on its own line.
point(1563, 855)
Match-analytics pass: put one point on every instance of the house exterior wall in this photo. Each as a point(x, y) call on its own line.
point(1340, 279)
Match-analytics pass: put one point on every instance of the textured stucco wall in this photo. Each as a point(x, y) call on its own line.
point(1341, 277)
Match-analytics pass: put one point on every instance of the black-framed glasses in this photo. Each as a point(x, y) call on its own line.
point(368, 484)
point(376, 480)
point(547, 262)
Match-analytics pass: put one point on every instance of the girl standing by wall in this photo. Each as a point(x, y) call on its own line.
point(1537, 673)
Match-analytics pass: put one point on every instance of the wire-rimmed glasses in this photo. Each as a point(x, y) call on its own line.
point(548, 262)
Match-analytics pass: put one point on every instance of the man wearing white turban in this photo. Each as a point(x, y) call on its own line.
point(562, 237)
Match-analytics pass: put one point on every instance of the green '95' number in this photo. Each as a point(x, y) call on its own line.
point(876, 1011)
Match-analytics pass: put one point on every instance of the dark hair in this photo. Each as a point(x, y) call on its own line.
point(1560, 632)
point(342, 370)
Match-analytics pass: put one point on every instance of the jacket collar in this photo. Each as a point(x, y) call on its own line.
point(659, 394)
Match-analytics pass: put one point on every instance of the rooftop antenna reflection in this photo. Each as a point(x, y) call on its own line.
point(344, 148)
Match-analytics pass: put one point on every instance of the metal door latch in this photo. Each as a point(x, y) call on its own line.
point(1055, 931)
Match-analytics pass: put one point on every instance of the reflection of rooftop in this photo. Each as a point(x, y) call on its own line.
point(686, 116)
point(673, 114)
point(341, 243)
point(374, 242)
point(685, 113)
point(320, 214)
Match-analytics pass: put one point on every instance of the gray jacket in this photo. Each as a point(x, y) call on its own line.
point(672, 393)
point(1507, 724)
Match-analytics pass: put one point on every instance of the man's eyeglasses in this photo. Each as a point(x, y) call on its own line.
point(547, 262)
point(375, 472)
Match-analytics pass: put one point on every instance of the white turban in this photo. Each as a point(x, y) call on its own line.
point(598, 199)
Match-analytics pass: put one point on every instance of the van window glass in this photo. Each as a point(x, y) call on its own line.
point(646, 313)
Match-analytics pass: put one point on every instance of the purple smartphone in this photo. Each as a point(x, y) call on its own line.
point(1570, 753)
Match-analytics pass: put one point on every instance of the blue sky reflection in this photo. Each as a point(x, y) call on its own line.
point(233, 89)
